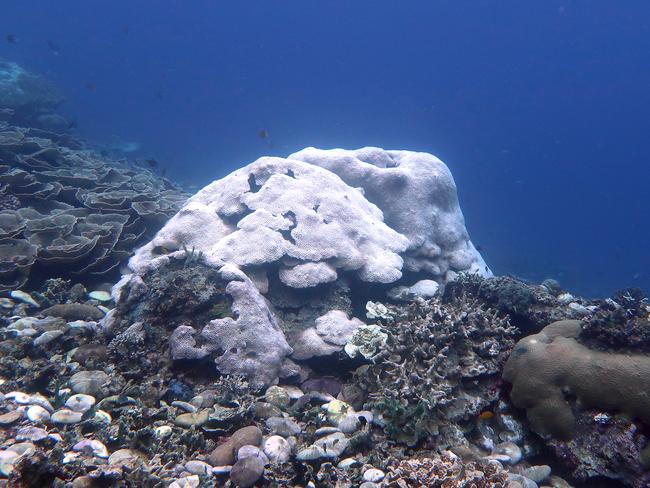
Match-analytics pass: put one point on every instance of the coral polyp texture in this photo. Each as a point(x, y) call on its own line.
point(547, 366)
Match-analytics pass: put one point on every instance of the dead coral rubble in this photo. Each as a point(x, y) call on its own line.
point(445, 470)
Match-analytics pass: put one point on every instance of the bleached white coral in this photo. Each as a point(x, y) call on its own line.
point(330, 333)
point(300, 217)
point(417, 194)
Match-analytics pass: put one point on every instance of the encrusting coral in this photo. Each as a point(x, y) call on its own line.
point(546, 367)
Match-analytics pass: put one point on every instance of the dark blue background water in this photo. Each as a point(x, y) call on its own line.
point(541, 109)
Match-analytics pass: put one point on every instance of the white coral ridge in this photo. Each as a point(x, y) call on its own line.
point(318, 213)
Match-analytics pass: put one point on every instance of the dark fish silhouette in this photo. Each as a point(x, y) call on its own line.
point(125, 29)
point(11, 38)
point(91, 86)
point(72, 125)
point(264, 134)
point(152, 163)
point(53, 47)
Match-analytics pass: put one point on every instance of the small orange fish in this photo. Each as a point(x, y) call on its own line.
point(487, 415)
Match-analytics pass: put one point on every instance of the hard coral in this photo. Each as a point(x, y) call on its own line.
point(545, 367)
point(605, 447)
point(301, 219)
point(438, 368)
point(417, 194)
point(530, 307)
point(80, 213)
point(198, 311)
point(620, 323)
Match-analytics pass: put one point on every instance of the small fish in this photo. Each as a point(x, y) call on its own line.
point(12, 38)
point(53, 47)
point(479, 248)
point(91, 86)
point(487, 415)
point(72, 125)
point(125, 29)
point(152, 163)
point(264, 134)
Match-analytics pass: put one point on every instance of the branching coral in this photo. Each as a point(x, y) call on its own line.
point(438, 368)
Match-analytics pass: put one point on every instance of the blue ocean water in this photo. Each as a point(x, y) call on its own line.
point(540, 109)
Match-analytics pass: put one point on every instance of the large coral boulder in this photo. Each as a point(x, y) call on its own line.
point(315, 242)
point(302, 220)
point(417, 194)
point(546, 366)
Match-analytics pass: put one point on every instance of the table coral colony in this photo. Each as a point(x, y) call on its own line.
point(282, 230)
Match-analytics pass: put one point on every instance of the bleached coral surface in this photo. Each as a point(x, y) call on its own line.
point(319, 212)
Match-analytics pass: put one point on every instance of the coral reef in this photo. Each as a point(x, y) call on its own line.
point(306, 223)
point(105, 406)
point(590, 388)
point(210, 313)
point(68, 212)
point(300, 219)
point(530, 307)
point(438, 369)
point(545, 367)
point(605, 446)
point(620, 323)
point(399, 182)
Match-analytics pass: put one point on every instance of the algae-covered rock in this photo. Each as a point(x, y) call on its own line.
point(74, 311)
